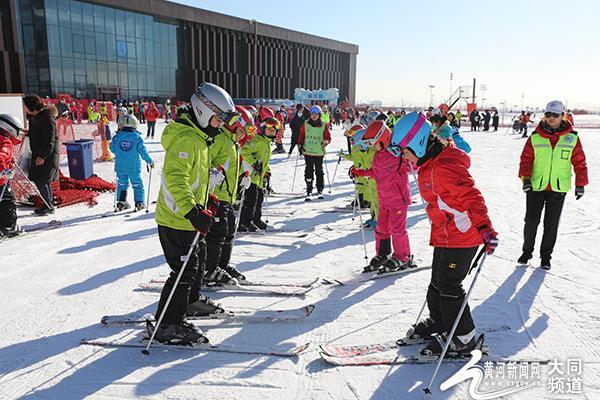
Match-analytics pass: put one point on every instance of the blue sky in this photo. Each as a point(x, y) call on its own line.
point(542, 49)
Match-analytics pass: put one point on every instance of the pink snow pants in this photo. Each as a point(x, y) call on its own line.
point(392, 223)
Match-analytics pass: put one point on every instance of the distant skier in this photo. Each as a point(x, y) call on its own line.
point(393, 190)
point(459, 224)
point(495, 120)
point(129, 149)
point(545, 170)
point(314, 137)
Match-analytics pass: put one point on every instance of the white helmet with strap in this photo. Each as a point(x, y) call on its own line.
point(128, 121)
point(209, 100)
point(12, 125)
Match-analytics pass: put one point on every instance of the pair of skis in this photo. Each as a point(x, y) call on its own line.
point(239, 316)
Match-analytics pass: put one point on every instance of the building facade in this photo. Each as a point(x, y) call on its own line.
point(108, 49)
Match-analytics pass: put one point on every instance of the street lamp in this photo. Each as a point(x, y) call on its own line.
point(431, 87)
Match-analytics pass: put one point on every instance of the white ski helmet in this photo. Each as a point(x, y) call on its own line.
point(209, 100)
point(11, 124)
point(128, 121)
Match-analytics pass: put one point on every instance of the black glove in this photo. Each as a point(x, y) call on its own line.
point(527, 185)
point(257, 167)
point(212, 204)
point(267, 180)
point(579, 192)
point(201, 219)
point(301, 149)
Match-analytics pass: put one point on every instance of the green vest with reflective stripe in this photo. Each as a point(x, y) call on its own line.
point(313, 140)
point(552, 166)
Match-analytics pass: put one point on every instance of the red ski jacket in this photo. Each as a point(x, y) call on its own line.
point(6, 156)
point(455, 206)
point(577, 157)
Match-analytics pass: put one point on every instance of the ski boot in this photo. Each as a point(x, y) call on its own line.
point(393, 264)
point(460, 346)
point(182, 333)
point(40, 212)
point(308, 197)
point(523, 261)
point(13, 231)
point(260, 224)
point(320, 195)
point(235, 273)
point(370, 224)
point(219, 277)
point(202, 307)
point(424, 329)
point(122, 205)
point(545, 265)
point(139, 205)
point(376, 263)
point(250, 227)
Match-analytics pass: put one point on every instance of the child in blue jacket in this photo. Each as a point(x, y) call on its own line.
point(129, 149)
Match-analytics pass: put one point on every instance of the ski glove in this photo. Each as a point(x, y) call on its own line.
point(10, 173)
point(212, 203)
point(200, 219)
point(353, 172)
point(579, 192)
point(489, 237)
point(340, 153)
point(301, 149)
point(257, 167)
point(245, 182)
point(527, 185)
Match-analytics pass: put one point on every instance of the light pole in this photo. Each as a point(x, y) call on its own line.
point(522, 101)
point(431, 87)
point(450, 97)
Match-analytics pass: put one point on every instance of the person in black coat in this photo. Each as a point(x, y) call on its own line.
point(296, 122)
point(486, 120)
point(495, 120)
point(43, 140)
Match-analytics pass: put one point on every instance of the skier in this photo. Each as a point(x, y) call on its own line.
point(295, 124)
point(314, 137)
point(225, 156)
point(128, 147)
point(459, 224)
point(362, 158)
point(546, 175)
point(326, 116)
point(347, 126)
point(458, 116)
point(569, 117)
point(280, 115)
point(256, 154)
point(151, 114)
point(393, 191)
point(446, 132)
point(10, 130)
point(185, 206)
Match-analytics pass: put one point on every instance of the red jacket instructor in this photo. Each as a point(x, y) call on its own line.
point(548, 158)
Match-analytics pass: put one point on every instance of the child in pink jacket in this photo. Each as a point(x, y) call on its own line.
point(393, 189)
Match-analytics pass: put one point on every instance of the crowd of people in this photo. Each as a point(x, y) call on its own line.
point(217, 160)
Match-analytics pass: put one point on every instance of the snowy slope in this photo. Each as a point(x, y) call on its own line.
point(57, 284)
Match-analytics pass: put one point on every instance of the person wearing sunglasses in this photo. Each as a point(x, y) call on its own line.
point(185, 208)
point(256, 155)
point(224, 158)
point(314, 137)
point(548, 157)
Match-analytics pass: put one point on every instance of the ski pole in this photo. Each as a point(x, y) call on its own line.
point(427, 390)
point(146, 351)
point(238, 217)
point(336, 168)
point(295, 169)
point(4, 189)
point(327, 173)
point(362, 229)
point(266, 197)
point(149, 183)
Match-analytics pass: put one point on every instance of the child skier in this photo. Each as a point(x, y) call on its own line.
point(447, 132)
point(459, 224)
point(10, 129)
point(393, 189)
point(128, 147)
point(256, 154)
point(225, 156)
point(280, 114)
point(314, 137)
point(362, 157)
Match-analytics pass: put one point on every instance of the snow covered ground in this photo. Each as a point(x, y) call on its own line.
point(56, 285)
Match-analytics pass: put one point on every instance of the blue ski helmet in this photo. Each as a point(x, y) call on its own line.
point(315, 110)
point(411, 131)
point(357, 139)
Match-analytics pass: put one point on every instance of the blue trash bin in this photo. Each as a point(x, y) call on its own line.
point(81, 158)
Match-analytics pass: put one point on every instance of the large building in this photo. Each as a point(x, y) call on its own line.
point(109, 49)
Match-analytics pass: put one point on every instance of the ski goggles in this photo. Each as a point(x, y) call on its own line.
point(272, 124)
point(551, 114)
point(250, 129)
